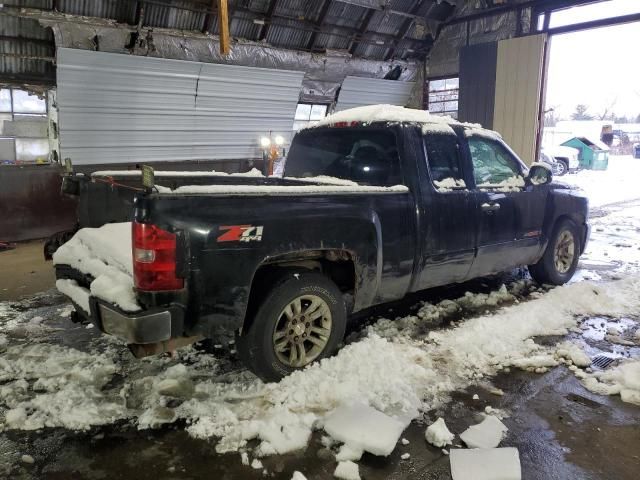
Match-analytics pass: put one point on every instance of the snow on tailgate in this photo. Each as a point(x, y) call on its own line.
point(105, 254)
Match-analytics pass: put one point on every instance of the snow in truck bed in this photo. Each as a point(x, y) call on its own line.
point(105, 254)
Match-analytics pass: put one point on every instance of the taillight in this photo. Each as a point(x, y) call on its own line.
point(154, 258)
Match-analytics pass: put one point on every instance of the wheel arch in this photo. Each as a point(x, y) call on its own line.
point(339, 265)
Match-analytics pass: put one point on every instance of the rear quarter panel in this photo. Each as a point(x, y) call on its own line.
point(376, 228)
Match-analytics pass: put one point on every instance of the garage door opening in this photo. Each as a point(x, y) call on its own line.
point(592, 101)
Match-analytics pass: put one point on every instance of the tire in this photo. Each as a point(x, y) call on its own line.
point(547, 270)
point(320, 299)
point(561, 168)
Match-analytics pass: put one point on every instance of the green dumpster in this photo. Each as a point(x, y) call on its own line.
point(594, 155)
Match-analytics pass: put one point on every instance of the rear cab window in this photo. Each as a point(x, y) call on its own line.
point(367, 156)
point(494, 166)
point(442, 149)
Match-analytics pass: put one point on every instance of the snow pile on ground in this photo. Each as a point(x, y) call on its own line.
point(399, 377)
point(105, 254)
point(68, 386)
point(623, 380)
point(616, 184)
point(393, 380)
point(431, 314)
point(438, 435)
point(613, 246)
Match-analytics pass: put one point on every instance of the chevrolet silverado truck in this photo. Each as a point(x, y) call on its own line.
point(375, 203)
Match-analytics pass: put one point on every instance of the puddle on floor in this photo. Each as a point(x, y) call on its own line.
point(610, 337)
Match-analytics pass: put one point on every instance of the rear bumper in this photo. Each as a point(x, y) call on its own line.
point(587, 234)
point(148, 325)
point(137, 327)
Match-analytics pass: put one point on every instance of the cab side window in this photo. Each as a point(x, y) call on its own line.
point(493, 165)
point(443, 158)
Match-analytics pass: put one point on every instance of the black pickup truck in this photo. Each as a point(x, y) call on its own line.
point(281, 263)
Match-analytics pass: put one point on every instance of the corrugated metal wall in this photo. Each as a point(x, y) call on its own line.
point(478, 83)
point(117, 108)
point(358, 91)
point(517, 101)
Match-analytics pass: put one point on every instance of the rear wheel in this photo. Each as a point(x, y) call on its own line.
point(560, 259)
point(302, 319)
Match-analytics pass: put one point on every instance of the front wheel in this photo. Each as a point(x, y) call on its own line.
point(560, 259)
point(560, 168)
point(302, 319)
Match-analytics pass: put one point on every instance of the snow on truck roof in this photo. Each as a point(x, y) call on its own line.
point(396, 114)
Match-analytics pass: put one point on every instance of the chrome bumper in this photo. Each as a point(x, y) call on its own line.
point(150, 327)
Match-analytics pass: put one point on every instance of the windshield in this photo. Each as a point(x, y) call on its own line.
point(368, 156)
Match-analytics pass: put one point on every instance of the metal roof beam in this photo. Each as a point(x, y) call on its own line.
point(323, 14)
point(541, 4)
point(268, 16)
point(404, 28)
point(361, 30)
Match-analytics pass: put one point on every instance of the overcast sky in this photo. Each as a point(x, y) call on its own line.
point(596, 67)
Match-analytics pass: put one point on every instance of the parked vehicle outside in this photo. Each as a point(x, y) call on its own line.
point(376, 202)
point(562, 159)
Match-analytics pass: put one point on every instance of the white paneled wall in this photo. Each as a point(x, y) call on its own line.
point(117, 108)
point(359, 91)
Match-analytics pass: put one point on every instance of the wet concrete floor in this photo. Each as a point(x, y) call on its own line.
point(561, 430)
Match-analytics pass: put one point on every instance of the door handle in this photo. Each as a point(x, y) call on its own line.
point(490, 207)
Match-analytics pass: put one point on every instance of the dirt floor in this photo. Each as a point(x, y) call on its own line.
point(24, 271)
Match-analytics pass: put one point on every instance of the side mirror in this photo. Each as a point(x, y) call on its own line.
point(539, 174)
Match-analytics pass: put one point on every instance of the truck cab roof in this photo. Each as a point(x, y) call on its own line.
point(394, 114)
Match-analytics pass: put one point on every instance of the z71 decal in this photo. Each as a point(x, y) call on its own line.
point(240, 233)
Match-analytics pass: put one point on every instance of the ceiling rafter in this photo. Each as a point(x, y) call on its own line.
point(404, 28)
point(268, 16)
point(362, 29)
point(321, 17)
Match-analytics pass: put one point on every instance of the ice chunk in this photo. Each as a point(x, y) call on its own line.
point(347, 453)
point(404, 441)
point(176, 387)
point(244, 458)
point(298, 476)
point(405, 456)
point(347, 471)
point(27, 459)
point(438, 434)
point(486, 434)
point(256, 464)
point(485, 464)
point(365, 428)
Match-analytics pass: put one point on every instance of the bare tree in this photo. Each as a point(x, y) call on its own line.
point(581, 113)
point(607, 113)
